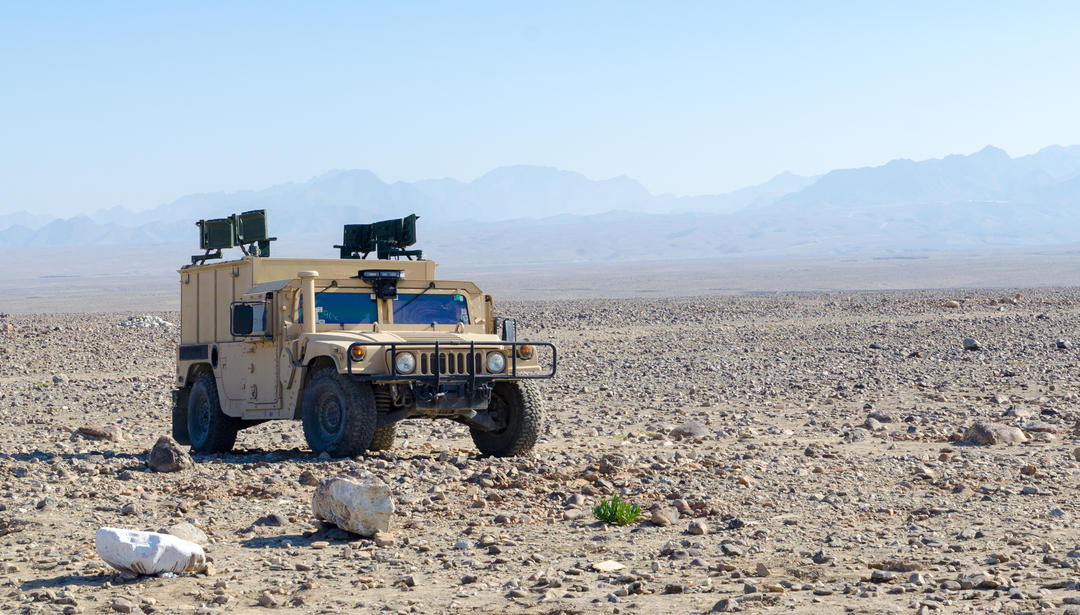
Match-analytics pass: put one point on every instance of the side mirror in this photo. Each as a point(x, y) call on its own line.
point(509, 330)
point(243, 319)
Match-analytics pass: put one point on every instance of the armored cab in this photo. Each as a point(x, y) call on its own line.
point(349, 346)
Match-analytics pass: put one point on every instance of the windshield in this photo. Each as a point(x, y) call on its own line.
point(344, 308)
point(425, 309)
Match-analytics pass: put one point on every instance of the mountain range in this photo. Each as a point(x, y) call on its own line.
point(539, 214)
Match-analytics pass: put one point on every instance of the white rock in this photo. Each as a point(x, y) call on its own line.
point(357, 503)
point(148, 552)
point(607, 565)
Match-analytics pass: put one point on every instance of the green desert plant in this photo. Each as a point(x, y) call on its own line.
point(616, 511)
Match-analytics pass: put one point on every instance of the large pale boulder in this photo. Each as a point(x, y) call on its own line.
point(357, 503)
point(148, 552)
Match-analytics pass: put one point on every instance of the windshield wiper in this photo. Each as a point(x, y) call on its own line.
point(415, 297)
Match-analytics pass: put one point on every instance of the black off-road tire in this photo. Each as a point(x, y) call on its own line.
point(339, 414)
point(179, 415)
point(209, 430)
point(518, 406)
point(384, 438)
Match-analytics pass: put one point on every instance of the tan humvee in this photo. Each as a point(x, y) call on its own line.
point(387, 342)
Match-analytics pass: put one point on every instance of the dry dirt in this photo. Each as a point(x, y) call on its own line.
point(800, 503)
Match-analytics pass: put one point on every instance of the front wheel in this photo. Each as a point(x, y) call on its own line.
point(517, 409)
point(339, 414)
point(384, 438)
point(209, 430)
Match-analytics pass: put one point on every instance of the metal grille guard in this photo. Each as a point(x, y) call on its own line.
point(437, 377)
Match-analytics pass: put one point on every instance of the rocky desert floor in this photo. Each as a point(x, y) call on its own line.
point(791, 453)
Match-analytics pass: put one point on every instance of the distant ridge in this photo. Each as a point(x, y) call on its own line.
point(534, 214)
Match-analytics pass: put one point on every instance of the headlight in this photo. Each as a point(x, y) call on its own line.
point(526, 352)
point(405, 362)
point(357, 352)
point(495, 362)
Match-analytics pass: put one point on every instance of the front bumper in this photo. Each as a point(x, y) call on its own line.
point(452, 375)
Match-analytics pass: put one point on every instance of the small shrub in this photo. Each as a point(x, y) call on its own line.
point(616, 511)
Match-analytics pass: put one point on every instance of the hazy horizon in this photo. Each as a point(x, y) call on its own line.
point(113, 105)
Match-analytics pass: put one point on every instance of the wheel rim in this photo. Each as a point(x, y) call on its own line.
point(499, 411)
point(331, 415)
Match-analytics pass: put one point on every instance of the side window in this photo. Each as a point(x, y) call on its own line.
point(249, 319)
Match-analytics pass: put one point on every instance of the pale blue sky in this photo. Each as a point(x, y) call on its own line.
point(138, 103)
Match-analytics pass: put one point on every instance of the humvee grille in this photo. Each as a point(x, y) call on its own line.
point(450, 363)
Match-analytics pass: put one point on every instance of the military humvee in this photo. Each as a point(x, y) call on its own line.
point(349, 346)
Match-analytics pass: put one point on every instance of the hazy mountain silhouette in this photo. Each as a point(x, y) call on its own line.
point(540, 214)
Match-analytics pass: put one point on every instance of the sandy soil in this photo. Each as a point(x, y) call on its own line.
point(788, 500)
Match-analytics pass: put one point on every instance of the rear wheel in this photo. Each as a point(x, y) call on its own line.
point(339, 414)
point(209, 430)
point(518, 410)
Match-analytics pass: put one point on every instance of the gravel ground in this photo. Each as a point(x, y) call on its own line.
point(792, 453)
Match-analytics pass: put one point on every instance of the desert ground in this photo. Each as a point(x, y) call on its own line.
point(791, 453)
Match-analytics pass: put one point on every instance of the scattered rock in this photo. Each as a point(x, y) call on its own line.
point(111, 433)
point(355, 502)
point(188, 532)
point(692, 429)
point(971, 343)
point(985, 433)
point(168, 456)
point(665, 515)
point(607, 566)
point(698, 527)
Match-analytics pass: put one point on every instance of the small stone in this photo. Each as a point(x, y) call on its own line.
point(111, 433)
point(724, 605)
point(384, 539)
point(271, 520)
point(985, 433)
point(267, 600)
point(697, 528)
point(129, 509)
point(971, 343)
point(123, 605)
point(821, 557)
point(1063, 344)
point(664, 516)
point(307, 477)
point(883, 576)
point(762, 570)
point(167, 456)
point(188, 532)
point(607, 566)
point(572, 514)
point(732, 549)
point(691, 430)
point(952, 303)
